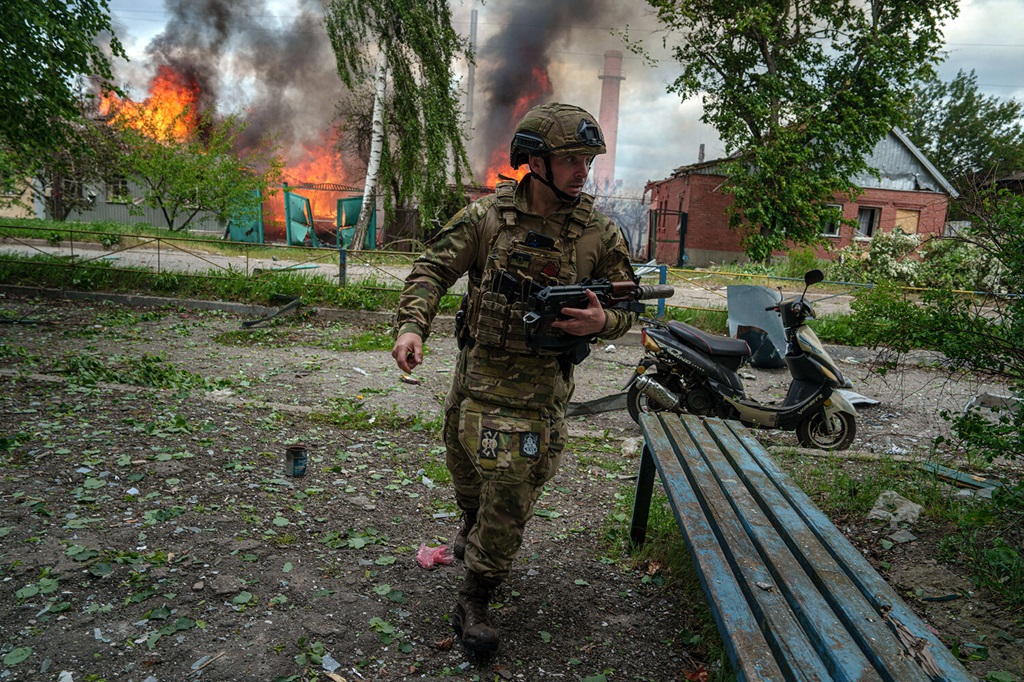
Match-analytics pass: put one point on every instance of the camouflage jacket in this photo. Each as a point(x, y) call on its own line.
point(462, 247)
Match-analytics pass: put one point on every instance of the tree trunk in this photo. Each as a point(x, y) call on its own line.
point(373, 164)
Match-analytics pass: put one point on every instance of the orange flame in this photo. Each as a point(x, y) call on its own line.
point(499, 163)
point(169, 113)
point(320, 164)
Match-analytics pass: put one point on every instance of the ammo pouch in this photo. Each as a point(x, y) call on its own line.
point(506, 445)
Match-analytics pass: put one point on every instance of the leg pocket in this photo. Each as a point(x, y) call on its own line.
point(506, 445)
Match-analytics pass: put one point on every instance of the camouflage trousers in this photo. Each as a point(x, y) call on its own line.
point(504, 433)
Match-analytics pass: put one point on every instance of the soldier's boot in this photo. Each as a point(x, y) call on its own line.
point(468, 521)
point(471, 619)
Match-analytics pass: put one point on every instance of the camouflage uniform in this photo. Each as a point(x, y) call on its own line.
point(504, 426)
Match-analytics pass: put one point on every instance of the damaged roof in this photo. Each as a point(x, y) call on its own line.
point(900, 164)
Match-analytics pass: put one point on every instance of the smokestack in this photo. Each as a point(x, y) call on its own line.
point(611, 78)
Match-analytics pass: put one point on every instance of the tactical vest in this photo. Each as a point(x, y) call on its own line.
point(515, 267)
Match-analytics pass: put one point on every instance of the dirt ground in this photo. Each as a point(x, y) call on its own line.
point(149, 535)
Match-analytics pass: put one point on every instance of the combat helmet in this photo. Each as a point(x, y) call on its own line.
point(559, 129)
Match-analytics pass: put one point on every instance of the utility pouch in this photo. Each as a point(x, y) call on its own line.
point(491, 319)
point(515, 338)
point(505, 445)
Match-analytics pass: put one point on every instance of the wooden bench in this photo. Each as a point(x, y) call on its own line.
point(792, 598)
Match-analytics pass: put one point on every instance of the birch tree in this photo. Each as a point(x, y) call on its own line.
point(410, 47)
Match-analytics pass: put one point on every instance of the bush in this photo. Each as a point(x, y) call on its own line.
point(955, 263)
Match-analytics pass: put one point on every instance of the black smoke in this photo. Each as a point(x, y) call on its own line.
point(528, 36)
point(277, 71)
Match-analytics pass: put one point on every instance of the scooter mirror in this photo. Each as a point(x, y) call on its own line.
point(813, 277)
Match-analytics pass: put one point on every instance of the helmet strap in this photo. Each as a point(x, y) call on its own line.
point(546, 181)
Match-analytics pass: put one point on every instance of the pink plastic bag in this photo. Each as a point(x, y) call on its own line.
point(428, 557)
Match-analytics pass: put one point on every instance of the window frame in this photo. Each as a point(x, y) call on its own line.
point(836, 225)
point(876, 213)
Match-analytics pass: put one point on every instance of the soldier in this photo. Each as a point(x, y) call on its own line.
point(504, 421)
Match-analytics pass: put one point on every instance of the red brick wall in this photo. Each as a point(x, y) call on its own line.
point(708, 237)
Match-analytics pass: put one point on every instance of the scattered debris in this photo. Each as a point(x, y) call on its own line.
point(631, 446)
point(902, 536)
point(856, 399)
point(994, 401)
point(892, 507)
point(767, 587)
point(960, 478)
point(428, 557)
point(291, 305)
point(410, 380)
point(609, 403)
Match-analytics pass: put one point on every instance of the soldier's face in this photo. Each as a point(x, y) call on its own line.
point(568, 173)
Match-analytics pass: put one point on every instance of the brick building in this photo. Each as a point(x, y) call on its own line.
point(688, 224)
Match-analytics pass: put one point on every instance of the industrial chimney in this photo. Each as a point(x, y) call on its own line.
point(608, 117)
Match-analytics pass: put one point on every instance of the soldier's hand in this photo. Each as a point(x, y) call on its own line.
point(408, 351)
point(583, 321)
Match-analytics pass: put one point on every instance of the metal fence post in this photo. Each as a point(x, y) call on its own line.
point(662, 279)
point(342, 265)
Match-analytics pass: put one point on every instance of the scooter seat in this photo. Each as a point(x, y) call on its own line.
point(711, 344)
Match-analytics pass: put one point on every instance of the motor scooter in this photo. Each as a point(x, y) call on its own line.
point(687, 370)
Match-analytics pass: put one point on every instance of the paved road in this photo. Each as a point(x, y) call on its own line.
point(693, 289)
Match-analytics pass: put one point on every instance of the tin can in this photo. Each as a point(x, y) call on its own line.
point(295, 458)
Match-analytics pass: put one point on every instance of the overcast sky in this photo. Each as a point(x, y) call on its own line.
point(657, 132)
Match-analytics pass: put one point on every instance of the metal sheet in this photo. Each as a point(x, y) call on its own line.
point(761, 329)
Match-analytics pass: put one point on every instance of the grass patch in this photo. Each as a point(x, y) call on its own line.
point(985, 536)
point(146, 370)
point(373, 340)
point(351, 413)
point(665, 561)
point(224, 285)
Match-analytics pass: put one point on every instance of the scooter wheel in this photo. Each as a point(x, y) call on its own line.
point(813, 433)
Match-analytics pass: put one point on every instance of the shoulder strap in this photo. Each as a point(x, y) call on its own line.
point(579, 220)
point(505, 192)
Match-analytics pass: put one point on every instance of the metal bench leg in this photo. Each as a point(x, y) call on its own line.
point(642, 499)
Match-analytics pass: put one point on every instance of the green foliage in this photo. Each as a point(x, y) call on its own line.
point(799, 262)
point(145, 370)
point(47, 49)
point(974, 334)
point(423, 150)
point(886, 258)
point(962, 131)
point(959, 264)
point(802, 92)
point(186, 177)
point(989, 542)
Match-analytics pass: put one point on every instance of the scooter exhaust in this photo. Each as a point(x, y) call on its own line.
point(665, 398)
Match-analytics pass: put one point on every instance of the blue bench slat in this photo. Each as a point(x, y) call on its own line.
point(827, 614)
point(875, 589)
point(809, 567)
point(745, 644)
point(806, 632)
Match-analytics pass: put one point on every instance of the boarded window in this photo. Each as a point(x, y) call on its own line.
point(907, 221)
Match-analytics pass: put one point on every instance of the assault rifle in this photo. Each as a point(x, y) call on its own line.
point(546, 306)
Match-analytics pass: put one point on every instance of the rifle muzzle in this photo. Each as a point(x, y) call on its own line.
point(655, 291)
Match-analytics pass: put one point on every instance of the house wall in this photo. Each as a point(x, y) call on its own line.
point(709, 240)
point(105, 206)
